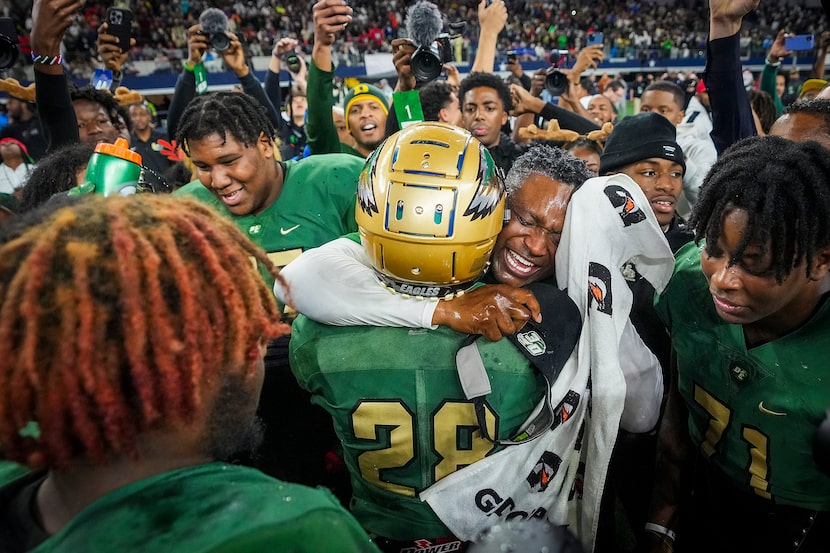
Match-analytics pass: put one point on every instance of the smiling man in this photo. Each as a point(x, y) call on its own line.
point(365, 106)
point(285, 207)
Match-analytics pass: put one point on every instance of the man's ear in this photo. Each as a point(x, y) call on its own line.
point(265, 145)
point(442, 115)
point(821, 264)
point(680, 117)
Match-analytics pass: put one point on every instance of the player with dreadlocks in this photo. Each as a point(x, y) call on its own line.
point(750, 324)
point(126, 379)
point(285, 207)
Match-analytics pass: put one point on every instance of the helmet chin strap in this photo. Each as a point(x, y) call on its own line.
point(426, 290)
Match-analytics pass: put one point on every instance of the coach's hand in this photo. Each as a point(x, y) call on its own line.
point(494, 311)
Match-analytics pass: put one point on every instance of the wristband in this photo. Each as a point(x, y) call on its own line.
point(773, 63)
point(47, 60)
point(188, 67)
point(661, 530)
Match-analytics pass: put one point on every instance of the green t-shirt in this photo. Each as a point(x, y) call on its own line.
point(316, 205)
point(212, 508)
point(401, 414)
point(753, 411)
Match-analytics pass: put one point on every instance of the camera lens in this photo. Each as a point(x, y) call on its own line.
point(556, 82)
point(426, 63)
point(220, 41)
point(8, 53)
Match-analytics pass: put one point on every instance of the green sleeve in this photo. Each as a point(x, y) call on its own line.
point(321, 134)
point(315, 532)
point(768, 78)
point(10, 471)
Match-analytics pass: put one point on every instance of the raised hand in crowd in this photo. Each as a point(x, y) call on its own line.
point(110, 52)
point(524, 101)
point(50, 19)
point(197, 44)
point(821, 55)
point(330, 18)
point(588, 58)
point(282, 47)
point(234, 56)
point(725, 16)
point(402, 50)
point(778, 49)
point(491, 18)
point(537, 82)
point(453, 76)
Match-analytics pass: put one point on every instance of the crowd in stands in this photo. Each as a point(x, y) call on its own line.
point(634, 30)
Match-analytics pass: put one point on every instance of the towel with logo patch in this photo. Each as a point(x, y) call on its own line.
point(560, 475)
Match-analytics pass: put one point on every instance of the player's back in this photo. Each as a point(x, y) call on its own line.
point(401, 414)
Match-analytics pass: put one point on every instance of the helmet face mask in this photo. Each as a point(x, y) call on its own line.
point(430, 205)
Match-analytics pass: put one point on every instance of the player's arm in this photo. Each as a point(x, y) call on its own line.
point(336, 284)
point(329, 19)
point(491, 19)
point(643, 382)
point(672, 478)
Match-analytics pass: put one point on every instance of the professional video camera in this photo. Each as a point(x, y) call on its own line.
point(215, 25)
point(424, 24)
point(8, 43)
point(556, 82)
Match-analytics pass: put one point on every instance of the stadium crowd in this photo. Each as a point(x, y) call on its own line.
point(633, 30)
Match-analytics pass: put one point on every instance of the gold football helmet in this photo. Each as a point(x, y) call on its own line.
point(430, 202)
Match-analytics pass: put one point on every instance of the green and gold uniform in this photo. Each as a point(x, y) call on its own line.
point(315, 206)
point(212, 508)
point(752, 411)
point(401, 414)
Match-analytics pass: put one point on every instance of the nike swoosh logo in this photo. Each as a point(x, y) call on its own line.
point(766, 411)
point(285, 231)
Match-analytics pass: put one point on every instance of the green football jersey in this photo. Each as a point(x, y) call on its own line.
point(209, 508)
point(401, 414)
point(754, 411)
point(316, 205)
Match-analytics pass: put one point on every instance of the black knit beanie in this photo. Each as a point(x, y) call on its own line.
point(640, 137)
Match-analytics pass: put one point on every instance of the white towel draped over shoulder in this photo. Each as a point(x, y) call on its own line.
point(560, 476)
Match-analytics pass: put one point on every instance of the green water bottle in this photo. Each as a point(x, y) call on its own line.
point(113, 169)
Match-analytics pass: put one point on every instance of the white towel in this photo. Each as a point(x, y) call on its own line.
point(560, 476)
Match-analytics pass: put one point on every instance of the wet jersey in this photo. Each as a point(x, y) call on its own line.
point(401, 414)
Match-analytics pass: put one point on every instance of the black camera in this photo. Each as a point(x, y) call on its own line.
point(556, 82)
point(9, 52)
point(292, 62)
point(428, 60)
point(214, 24)
point(219, 41)
point(512, 57)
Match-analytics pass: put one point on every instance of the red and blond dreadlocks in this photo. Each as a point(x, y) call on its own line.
point(114, 312)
